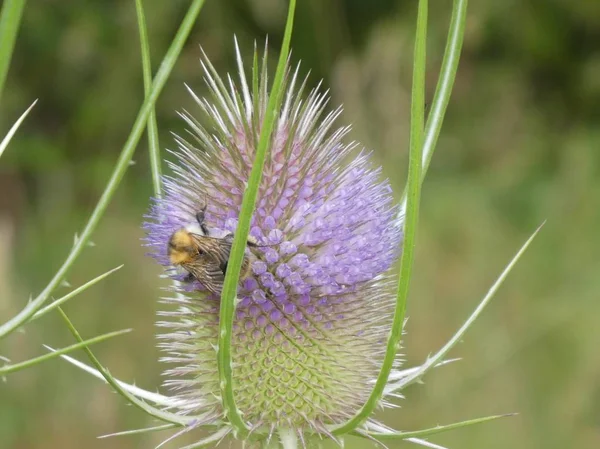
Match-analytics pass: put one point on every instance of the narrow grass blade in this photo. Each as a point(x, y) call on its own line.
point(229, 293)
point(156, 398)
point(72, 294)
point(384, 436)
point(14, 128)
point(444, 86)
point(152, 411)
point(22, 365)
point(410, 223)
point(153, 142)
point(438, 356)
point(10, 20)
point(118, 172)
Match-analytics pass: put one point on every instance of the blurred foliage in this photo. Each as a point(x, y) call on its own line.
point(520, 145)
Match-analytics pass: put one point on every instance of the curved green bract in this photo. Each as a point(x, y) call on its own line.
point(410, 223)
point(228, 295)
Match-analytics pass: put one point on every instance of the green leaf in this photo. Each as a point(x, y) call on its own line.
point(410, 223)
point(10, 20)
point(22, 365)
point(118, 172)
point(229, 293)
point(153, 142)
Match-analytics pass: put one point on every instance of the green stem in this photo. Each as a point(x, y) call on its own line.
point(153, 142)
point(410, 224)
point(118, 172)
point(10, 20)
point(444, 86)
point(228, 295)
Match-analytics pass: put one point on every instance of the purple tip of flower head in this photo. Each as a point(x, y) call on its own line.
point(326, 234)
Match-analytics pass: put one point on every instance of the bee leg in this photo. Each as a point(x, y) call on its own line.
point(244, 272)
point(223, 267)
point(189, 278)
point(251, 242)
point(200, 218)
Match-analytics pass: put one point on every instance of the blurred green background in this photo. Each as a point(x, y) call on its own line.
point(520, 145)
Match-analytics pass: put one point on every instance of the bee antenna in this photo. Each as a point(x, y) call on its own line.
point(201, 215)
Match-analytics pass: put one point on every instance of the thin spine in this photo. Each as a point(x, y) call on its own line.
point(228, 296)
point(443, 89)
point(118, 172)
point(139, 431)
point(53, 305)
point(153, 141)
point(212, 440)
point(410, 224)
point(13, 129)
point(385, 436)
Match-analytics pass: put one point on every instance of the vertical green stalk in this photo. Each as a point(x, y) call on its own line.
point(444, 85)
point(153, 142)
point(417, 119)
point(10, 20)
point(228, 296)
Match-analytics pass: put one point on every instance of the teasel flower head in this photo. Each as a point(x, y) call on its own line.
point(314, 312)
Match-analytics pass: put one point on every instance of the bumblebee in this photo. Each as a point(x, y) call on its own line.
point(205, 257)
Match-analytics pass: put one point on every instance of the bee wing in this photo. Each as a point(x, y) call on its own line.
point(216, 249)
point(208, 273)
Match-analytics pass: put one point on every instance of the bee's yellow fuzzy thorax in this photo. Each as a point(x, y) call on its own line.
point(180, 247)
